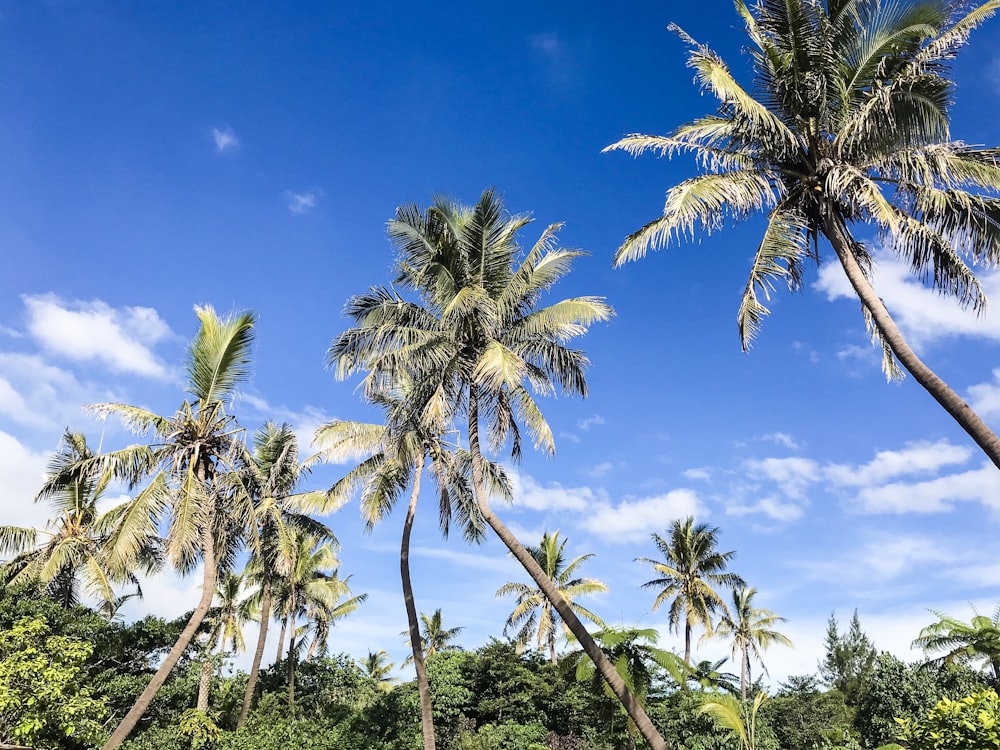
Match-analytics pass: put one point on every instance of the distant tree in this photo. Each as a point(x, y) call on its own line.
point(707, 675)
point(975, 642)
point(378, 667)
point(534, 615)
point(690, 568)
point(435, 637)
point(804, 717)
point(752, 631)
point(849, 660)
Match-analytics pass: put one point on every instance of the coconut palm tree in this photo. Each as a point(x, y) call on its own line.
point(690, 567)
point(71, 550)
point(738, 717)
point(478, 334)
point(752, 631)
point(265, 483)
point(846, 127)
point(977, 641)
point(225, 621)
point(394, 455)
point(189, 451)
point(322, 615)
point(378, 668)
point(533, 614)
point(435, 637)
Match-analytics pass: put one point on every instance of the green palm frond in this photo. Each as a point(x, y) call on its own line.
point(135, 418)
point(219, 356)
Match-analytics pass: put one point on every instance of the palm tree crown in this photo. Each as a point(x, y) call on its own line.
point(964, 642)
point(847, 124)
point(533, 614)
point(690, 567)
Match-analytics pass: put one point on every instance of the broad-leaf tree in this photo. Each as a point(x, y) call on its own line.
point(951, 641)
point(479, 333)
point(188, 452)
point(752, 630)
point(844, 130)
point(533, 615)
point(687, 575)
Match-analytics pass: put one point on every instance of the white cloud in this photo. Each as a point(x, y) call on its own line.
point(699, 474)
point(923, 314)
point(586, 424)
point(529, 494)
point(40, 396)
point(23, 472)
point(599, 471)
point(792, 475)
point(635, 520)
point(299, 203)
point(780, 438)
point(984, 398)
point(770, 506)
point(915, 458)
point(120, 338)
point(225, 139)
point(467, 560)
point(304, 421)
point(934, 495)
point(547, 44)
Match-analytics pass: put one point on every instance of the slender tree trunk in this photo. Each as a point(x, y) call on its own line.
point(281, 637)
point(205, 681)
point(960, 411)
point(413, 625)
point(258, 655)
point(291, 669)
point(587, 642)
point(744, 674)
point(207, 594)
point(687, 643)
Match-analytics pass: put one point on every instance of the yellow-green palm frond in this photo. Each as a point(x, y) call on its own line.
point(944, 45)
point(130, 526)
point(779, 257)
point(134, 418)
point(854, 188)
point(968, 223)
point(17, 539)
point(706, 139)
point(219, 355)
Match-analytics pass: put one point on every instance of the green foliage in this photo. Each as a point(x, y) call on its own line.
point(736, 716)
point(804, 718)
point(42, 702)
point(849, 660)
point(507, 736)
point(970, 723)
point(199, 728)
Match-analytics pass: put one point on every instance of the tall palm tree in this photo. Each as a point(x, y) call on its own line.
point(478, 334)
point(752, 631)
point(395, 454)
point(71, 550)
point(322, 615)
point(266, 481)
point(435, 637)
point(690, 567)
point(225, 620)
point(846, 125)
point(190, 449)
point(533, 615)
point(964, 642)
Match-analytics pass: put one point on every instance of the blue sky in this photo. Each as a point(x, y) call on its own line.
point(156, 157)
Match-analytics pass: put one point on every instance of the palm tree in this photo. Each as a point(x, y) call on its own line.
point(71, 548)
point(690, 567)
point(533, 614)
point(395, 455)
point(739, 717)
point(435, 637)
point(964, 643)
point(478, 335)
point(378, 668)
point(225, 622)
point(190, 449)
point(752, 631)
point(322, 615)
point(846, 125)
point(266, 481)
point(706, 675)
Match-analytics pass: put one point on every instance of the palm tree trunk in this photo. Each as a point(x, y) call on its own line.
point(744, 673)
point(281, 637)
point(204, 681)
point(587, 642)
point(413, 625)
point(687, 643)
point(258, 655)
point(173, 656)
point(960, 411)
point(291, 670)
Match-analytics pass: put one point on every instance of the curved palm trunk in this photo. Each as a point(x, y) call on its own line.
point(587, 642)
point(207, 594)
point(258, 655)
point(960, 411)
point(423, 684)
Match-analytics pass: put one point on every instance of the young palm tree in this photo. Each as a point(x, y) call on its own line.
point(70, 550)
point(190, 449)
point(533, 615)
point(225, 620)
point(266, 481)
point(322, 616)
point(378, 668)
point(478, 335)
point(395, 454)
point(435, 637)
point(964, 642)
point(752, 631)
point(846, 126)
point(690, 567)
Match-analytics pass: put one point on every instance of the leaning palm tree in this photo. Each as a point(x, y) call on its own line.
point(478, 334)
point(690, 567)
point(846, 126)
point(189, 450)
point(394, 456)
point(957, 642)
point(533, 614)
point(71, 550)
point(266, 483)
point(752, 631)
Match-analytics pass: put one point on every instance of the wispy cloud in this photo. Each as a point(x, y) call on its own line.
point(300, 203)
point(529, 494)
point(984, 398)
point(225, 139)
point(792, 475)
point(773, 507)
point(586, 424)
point(304, 421)
point(914, 458)
point(120, 338)
point(700, 474)
point(934, 495)
point(780, 438)
point(635, 520)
